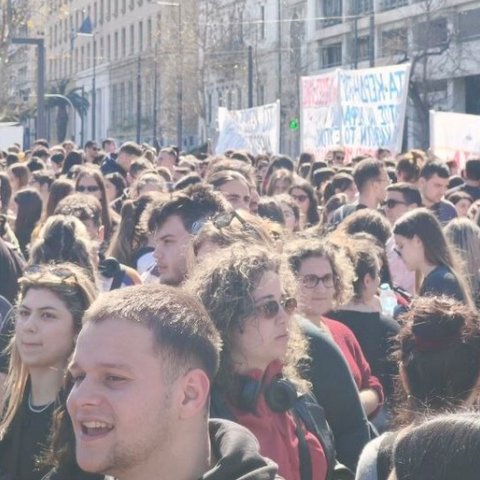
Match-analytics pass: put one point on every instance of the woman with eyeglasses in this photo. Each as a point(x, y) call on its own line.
point(424, 249)
point(248, 294)
point(302, 192)
point(90, 181)
point(325, 278)
point(49, 311)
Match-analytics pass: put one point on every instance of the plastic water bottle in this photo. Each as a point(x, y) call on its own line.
point(388, 299)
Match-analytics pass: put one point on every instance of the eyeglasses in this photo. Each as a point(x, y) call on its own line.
point(89, 188)
point(299, 198)
point(271, 308)
point(311, 280)
point(221, 220)
point(391, 203)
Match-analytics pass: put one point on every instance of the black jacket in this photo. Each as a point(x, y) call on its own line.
point(237, 453)
point(335, 390)
point(234, 449)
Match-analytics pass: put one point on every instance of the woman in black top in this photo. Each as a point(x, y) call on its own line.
point(423, 247)
point(374, 330)
point(51, 304)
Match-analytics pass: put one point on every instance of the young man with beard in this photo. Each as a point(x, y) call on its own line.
point(142, 369)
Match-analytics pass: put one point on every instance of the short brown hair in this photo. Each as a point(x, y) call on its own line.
point(182, 330)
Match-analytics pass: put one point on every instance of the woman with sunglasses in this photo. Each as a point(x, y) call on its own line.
point(49, 311)
point(247, 292)
point(91, 182)
point(325, 278)
point(303, 193)
point(424, 249)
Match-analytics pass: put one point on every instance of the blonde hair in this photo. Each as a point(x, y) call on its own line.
point(71, 285)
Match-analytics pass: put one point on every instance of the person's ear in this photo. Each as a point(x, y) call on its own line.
point(101, 233)
point(404, 378)
point(193, 393)
point(421, 182)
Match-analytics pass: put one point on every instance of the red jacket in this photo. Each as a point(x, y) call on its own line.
point(352, 351)
point(276, 433)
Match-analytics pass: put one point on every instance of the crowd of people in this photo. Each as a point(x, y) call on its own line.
point(219, 317)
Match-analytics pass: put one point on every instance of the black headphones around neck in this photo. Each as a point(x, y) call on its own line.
point(280, 395)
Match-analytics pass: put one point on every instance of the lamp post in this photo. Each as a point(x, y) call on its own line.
point(40, 43)
point(179, 73)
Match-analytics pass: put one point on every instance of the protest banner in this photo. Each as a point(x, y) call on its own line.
point(366, 109)
point(254, 129)
point(10, 133)
point(320, 113)
point(454, 136)
point(373, 102)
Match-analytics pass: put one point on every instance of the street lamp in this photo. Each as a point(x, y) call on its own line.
point(179, 73)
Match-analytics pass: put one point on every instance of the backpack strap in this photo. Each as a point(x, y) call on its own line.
point(384, 456)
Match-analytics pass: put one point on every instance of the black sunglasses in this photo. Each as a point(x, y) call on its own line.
point(89, 188)
point(271, 308)
point(391, 203)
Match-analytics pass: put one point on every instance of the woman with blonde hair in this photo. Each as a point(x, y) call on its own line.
point(464, 235)
point(49, 312)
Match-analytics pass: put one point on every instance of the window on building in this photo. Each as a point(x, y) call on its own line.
point(102, 51)
point(115, 45)
point(121, 104)
point(332, 11)
point(240, 27)
point(113, 104)
point(88, 56)
point(149, 32)
point(261, 94)
point(331, 55)
point(132, 39)
point(209, 108)
point(115, 8)
point(220, 98)
point(95, 13)
point(102, 11)
point(431, 34)
point(262, 22)
point(124, 6)
point(129, 116)
point(131, 4)
point(239, 98)
point(140, 36)
point(109, 48)
point(109, 10)
point(124, 43)
point(394, 42)
point(468, 23)
point(363, 47)
point(361, 6)
point(82, 58)
point(391, 4)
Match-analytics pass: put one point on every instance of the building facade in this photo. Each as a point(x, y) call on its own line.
point(293, 38)
point(136, 66)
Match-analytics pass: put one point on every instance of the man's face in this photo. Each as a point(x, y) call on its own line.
point(91, 152)
point(171, 241)
point(110, 147)
point(433, 189)
point(380, 185)
point(124, 160)
point(166, 160)
point(120, 405)
point(395, 206)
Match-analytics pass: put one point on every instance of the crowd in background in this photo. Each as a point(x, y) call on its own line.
point(337, 303)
